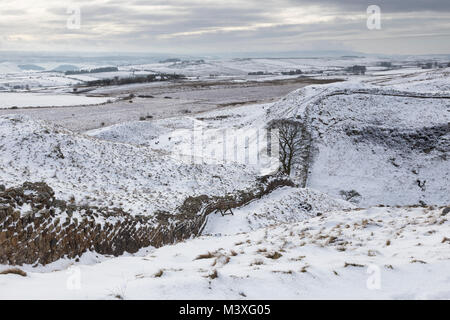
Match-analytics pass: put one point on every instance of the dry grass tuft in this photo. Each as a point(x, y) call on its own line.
point(347, 264)
point(222, 259)
point(331, 240)
point(159, 274)
point(257, 262)
point(284, 272)
point(298, 258)
point(275, 255)
point(208, 255)
point(418, 261)
point(14, 271)
point(213, 275)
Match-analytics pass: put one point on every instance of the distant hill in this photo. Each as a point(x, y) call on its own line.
point(65, 68)
point(30, 67)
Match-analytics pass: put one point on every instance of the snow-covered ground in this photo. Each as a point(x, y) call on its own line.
point(389, 145)
point(375, 253)
point(24, 100)
point(434, 81)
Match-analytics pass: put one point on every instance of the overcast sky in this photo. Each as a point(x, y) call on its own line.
point(226, 26)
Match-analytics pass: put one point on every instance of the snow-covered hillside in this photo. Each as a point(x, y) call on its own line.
point(381, 142)
point(50, 74)
point(428, 81)
point(98, 172)
point(376, 253)
point(390, 146)
point(24, 100)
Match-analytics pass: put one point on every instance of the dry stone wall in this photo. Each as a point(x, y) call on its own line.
point(37, 228)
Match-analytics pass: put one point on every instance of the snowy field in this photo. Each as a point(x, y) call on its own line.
point(51, 75)
point(104, 173)
point(376, 253)
point(36, 100)
point(159, 100)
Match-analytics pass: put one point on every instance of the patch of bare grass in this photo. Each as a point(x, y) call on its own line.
point(213, 275)
point(276, 255)
point(349, 264)
point(208, 255)
point(257, 262)
point(16, 271)
point(159, 274)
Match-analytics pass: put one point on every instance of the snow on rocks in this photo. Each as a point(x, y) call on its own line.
point(37, 100)
point(136, 132)
point(430, 81)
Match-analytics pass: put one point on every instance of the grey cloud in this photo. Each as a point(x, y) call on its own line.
point(385, 5)
point(12, 12)
point(137, 26)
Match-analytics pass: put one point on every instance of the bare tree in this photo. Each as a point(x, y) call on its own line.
point(290, 134)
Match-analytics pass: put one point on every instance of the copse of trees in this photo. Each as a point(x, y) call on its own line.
point(291, 72)
point(357, 69)
point(139, 79)
point(386, 64)
point(96, 70)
